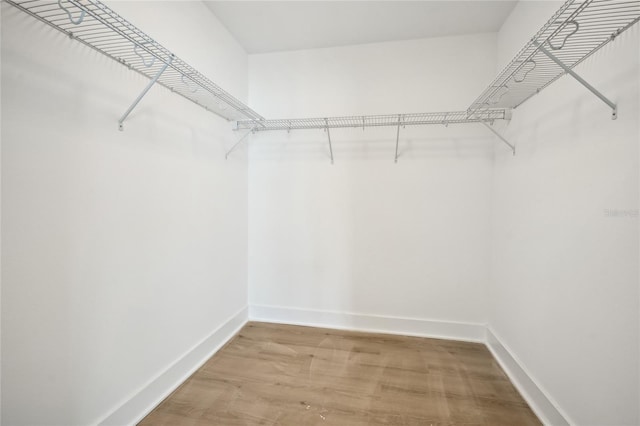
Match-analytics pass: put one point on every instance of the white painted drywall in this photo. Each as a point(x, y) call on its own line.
point(121, 250)
point(273, 26)
point(564, 287)
point(366, 236)
point(0, 226)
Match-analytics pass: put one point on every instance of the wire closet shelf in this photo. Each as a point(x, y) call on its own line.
point(574, 32)
point(362, 121)
point(577, 30)
point(99, 27)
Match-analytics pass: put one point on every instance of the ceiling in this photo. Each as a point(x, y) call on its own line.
point(270, 26)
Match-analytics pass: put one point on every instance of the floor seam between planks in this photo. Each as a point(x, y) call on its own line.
point(275, 374)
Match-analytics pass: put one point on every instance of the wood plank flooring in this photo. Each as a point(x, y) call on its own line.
point(285, 375)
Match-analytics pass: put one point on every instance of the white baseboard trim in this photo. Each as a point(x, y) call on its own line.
point(537, 398)
point(142, 403)
point(469, 332)
point(136, 408)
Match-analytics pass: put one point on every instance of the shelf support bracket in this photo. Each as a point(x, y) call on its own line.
point(144, 92)
point(226, 155)
point(398, 136)
point(513, 148)
point(580, 80)
point(326, 123)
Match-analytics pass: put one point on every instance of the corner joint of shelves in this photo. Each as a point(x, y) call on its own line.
point(508, 114)
point(235, 145)
point(502, 138)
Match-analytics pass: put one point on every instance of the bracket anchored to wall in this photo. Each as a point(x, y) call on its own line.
point(326, 122)
point(398, 136)
point(144, 92)
point(513, 148)
point(580, 80)
point(226, 156)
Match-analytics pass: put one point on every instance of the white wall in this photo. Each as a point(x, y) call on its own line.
point(564, 293)
point(121, 250)
point(0, 227)
point(367, 236)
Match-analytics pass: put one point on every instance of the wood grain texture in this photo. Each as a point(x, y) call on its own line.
point(271, 374)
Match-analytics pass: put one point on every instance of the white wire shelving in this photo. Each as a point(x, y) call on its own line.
point(485, 117)
point(363, 121)
point(577, 30)
point(99, 27)
point(574, 32)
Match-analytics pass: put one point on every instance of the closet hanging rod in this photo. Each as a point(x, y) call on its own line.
point(363, 121)
point(574, 32)
point(99, 27)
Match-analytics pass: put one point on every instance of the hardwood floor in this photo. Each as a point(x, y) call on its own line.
point(273, 374)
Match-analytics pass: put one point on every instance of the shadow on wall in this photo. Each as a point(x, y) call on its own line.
point(72, 91)
point(565, 115)
point(372, 144)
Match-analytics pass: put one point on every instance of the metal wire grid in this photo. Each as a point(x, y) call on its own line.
point(574, 32)
point(99, 27)
point(445, 118)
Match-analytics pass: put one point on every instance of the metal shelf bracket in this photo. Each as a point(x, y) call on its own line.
point(577, 30)
point(144, 92)
point(495, 132)
point(226, 155)
point(580, 80)
point(398, 136)
point(326, 122)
